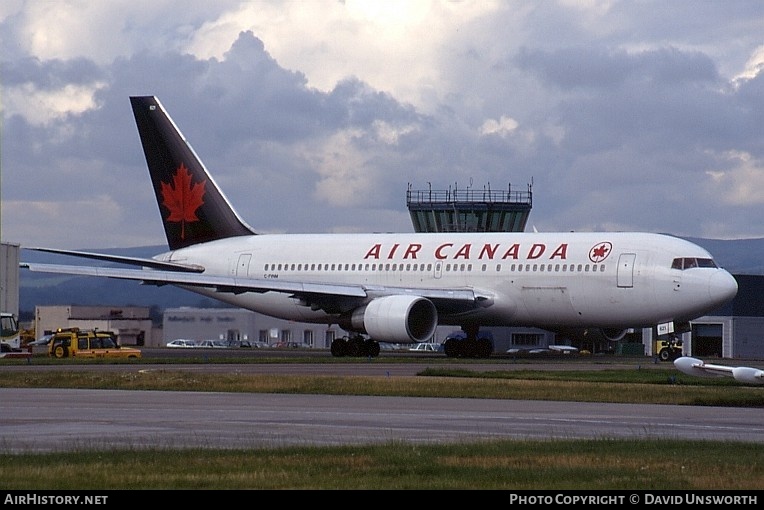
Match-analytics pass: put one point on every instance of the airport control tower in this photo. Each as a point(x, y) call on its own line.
point(469, 210)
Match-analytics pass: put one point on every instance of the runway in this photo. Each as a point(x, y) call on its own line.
point(44, 420)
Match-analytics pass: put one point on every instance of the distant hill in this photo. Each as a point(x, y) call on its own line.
point(740, 256)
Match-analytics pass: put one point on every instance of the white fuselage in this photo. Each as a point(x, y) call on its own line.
point(530, 279)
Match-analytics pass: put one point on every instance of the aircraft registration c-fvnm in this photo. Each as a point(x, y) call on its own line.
point(397, 287)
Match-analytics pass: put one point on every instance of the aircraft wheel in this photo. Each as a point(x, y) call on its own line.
point(451, 348)
point(339, 347)
point(469, 348)
point(484, 348)
point(355, 347)
point(372, 348)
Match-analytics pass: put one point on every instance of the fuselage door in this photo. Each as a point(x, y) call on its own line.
point(626, 270)
point(242, 266)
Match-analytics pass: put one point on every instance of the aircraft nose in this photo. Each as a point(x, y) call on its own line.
point(722, 287)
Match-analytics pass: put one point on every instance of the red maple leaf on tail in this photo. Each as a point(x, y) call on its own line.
point(182, 198)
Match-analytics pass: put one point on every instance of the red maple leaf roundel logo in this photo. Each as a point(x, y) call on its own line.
point(182, 198)
point(600, 251)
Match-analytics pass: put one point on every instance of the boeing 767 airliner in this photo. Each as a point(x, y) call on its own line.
point(397, 287)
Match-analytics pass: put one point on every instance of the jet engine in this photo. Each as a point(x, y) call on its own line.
point(397, 319)
point(614, 335)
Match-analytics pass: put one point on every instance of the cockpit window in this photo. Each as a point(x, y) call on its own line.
point(690, 262)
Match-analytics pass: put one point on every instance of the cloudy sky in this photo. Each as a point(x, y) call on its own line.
point(317, 116)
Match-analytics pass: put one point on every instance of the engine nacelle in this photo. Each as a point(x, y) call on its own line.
point(397, 319)
point(614, 335)
point(748, 375)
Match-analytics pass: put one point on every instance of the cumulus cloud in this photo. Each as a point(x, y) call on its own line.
point(502, 127)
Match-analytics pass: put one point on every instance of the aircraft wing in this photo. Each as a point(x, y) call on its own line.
point(699, 368)
point(332, 297)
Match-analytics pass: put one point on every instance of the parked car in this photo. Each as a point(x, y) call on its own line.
point(255, 344)
point(181, 342)
point(427, 347)
point(563, 349)
point(43, 340)
point(386, 346)
point(211, 344)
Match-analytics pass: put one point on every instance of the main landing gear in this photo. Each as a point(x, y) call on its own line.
point(468, 344)
point(355, 346)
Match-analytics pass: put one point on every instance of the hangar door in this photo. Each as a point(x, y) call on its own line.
point(707, 340)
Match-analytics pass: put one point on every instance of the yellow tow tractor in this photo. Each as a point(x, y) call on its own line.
point(73, 342)
point(668, 349)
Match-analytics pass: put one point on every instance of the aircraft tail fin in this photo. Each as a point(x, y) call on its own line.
point(193, 208)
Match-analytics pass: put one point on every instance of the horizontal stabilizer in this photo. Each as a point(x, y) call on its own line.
point(133, 261)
